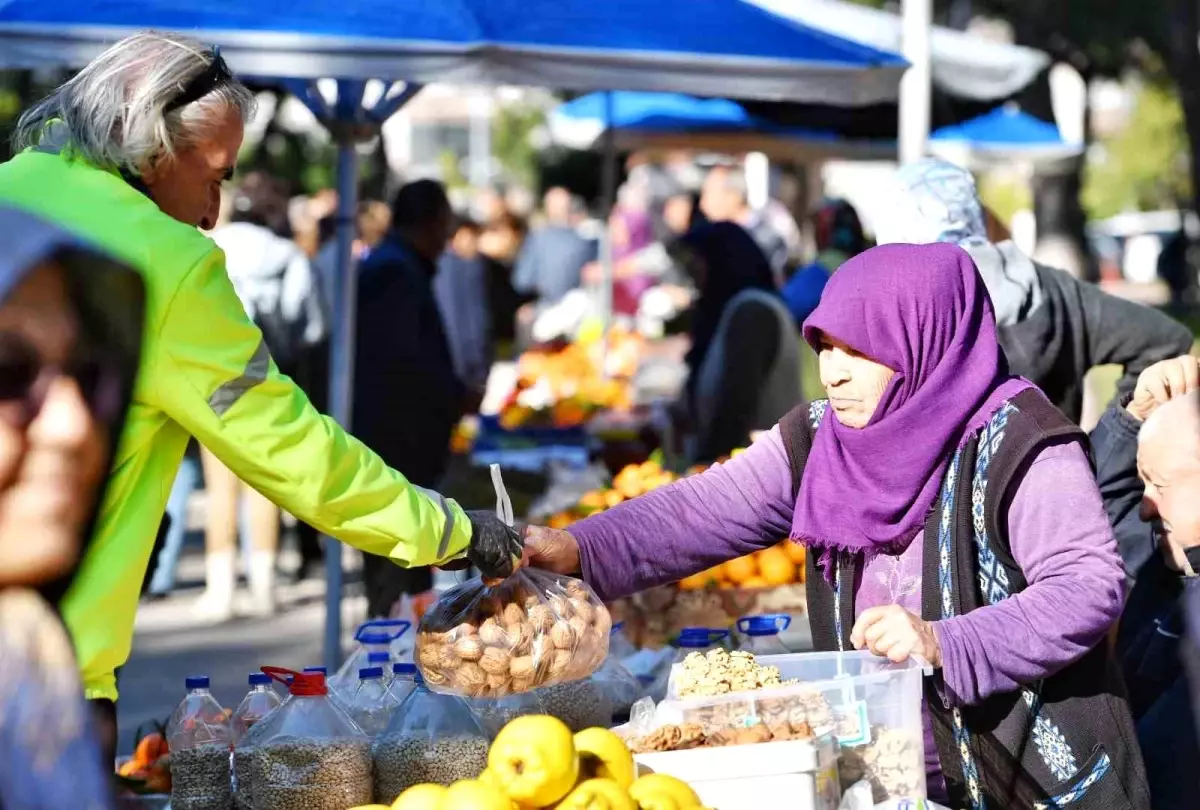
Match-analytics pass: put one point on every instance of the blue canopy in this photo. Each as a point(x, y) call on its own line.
point(643, 120)
point(712, 48)
point(1004, 127)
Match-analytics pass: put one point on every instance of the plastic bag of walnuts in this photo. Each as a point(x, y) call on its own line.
point(533, 629)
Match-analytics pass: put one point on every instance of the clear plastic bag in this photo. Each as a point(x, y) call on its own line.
point(308, 753)
point(620, 685)
point(532, 630)
point(580, 704)
point(432, 738)
point(199, 737)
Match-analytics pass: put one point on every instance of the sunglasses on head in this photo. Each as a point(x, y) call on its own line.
point(25, 379)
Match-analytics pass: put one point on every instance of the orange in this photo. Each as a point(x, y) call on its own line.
point(695, 582)
point(740, 569)
point(795, 551)
point(776, 567)
point(754, 582)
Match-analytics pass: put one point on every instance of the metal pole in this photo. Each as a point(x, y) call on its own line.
point(341, 371)
point(916, 85)
point(608, 201)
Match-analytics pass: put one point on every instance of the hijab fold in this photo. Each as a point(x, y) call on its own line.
point(924, 312)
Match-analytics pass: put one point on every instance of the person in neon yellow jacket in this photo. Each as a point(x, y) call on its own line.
point(130, 155)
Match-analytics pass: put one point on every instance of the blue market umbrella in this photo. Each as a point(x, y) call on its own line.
point(715, 47)
point(648, 120)
point(1005, 133)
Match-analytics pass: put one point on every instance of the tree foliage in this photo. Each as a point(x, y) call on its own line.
point(512, 143)
point(1145, 166)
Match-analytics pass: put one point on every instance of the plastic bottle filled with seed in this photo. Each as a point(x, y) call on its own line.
point(198, 736)
point(432, 738)
point(308, 754)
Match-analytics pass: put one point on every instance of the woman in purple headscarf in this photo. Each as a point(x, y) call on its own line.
point(950, 513)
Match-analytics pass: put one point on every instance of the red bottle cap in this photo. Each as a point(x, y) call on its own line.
point(305, 684)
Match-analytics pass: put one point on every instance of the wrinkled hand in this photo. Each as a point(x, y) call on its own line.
point(495, 547)
point(894, 632)
point(1162, 382)
point(552, 549)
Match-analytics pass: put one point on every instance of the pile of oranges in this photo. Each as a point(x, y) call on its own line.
point(781, 564)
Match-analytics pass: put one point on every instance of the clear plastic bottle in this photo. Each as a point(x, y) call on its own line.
point(698, 639)
point(199, 738)
point(256, 705)
point(371, 705)
point(432, 738)
point(309, 752)
point(259, 702)
point(384, 661)
point(372, 637)
point(760, 634)
point(404, 681)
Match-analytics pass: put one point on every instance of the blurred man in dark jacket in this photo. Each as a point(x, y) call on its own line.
point(1147, 451)
point(407, 396)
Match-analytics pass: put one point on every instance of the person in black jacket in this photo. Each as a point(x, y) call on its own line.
point(1139, 449)
point(407, 396)
point(1054, 328)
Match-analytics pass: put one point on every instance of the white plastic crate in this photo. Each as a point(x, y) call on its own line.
point(793, 775)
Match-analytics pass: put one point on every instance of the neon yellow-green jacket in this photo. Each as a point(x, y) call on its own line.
point(205, 371)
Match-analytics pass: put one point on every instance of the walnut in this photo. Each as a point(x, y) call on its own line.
point(447, 660)
point(541, 618)
point(583, 610)
point(561, 607)
point(560, 662)
point(520, 638)
point(464, 630)
point(468, 648)
point(492, 634)
point(495, 661)
point(521, 667)
point(602, 621)
point(562, 636)
point(579, 628)
point(513, 615)
point(522, 684)
point(498, 683)
point(577, 590)
point(429, 654)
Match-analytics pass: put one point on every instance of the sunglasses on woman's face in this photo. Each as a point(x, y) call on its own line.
point(25, 380)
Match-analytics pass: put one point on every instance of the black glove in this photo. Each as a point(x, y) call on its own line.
point(495, 547)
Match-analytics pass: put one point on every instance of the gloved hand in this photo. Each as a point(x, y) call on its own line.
point(495, 547)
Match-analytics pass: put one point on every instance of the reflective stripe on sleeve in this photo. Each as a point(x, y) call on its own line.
point(254, 373)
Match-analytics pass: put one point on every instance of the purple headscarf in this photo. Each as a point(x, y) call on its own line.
point(922, 310)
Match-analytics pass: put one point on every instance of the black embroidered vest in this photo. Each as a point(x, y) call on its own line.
point(1068, 741)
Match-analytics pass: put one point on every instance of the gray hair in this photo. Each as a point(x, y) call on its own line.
point(114, 110)
point(733, 178)
point(1180, 413)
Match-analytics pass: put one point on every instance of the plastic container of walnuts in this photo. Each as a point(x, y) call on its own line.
point(534, 629)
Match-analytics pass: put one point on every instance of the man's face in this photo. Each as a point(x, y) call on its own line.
point(717, 201)
point(187, 187)
point(1172, 495)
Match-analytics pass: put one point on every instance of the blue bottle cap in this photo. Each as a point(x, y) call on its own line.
point(699, 637)
point(196, 682)
point(418, 678)
point(404, 669)
point(260, 679)
point(378, 658)
point(366, 673)
point(376, 637)
point(322, 670)
point(771, 625)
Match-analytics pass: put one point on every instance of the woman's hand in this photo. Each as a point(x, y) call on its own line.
point(552, 549)
point(894, 632)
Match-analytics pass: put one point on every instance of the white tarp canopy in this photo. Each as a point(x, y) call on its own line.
point(964, 65)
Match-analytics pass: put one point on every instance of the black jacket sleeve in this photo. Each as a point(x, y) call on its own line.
point(1114, 446)
point(1128, 334)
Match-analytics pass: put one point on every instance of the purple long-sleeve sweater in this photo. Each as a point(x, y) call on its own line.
point(1057, 530)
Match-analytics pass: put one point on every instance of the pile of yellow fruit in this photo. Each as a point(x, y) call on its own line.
point(781, 564)
point(536, 762)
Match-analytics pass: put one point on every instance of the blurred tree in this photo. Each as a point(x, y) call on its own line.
point(1144, 167)
point(512, 143)
point(452, 176)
